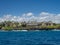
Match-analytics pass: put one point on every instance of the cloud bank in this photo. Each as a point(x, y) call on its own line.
point(43, 16)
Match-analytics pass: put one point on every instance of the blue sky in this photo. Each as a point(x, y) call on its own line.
point(18, 7)
point(30, 10)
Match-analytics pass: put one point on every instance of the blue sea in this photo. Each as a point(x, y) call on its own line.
point(30, 38)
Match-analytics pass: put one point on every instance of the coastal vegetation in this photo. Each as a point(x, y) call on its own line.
point(9, 25)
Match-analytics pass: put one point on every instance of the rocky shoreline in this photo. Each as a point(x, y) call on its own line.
point(46, 29)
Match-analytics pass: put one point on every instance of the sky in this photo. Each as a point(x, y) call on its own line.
point(45, 10)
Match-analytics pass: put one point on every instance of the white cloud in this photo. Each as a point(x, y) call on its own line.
point(44, 13)
point(28, 14)
point(44, 16)
point(51, 17)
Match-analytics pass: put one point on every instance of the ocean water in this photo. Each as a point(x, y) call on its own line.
point(30, 38)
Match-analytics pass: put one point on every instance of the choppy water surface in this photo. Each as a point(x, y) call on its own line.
point(30, 38)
